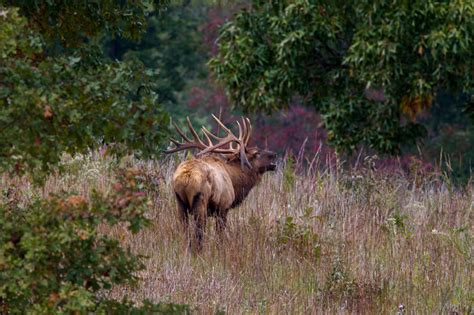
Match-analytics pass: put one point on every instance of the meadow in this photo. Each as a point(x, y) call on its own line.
point(309, 239)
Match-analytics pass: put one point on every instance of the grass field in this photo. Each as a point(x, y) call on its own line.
point(319, 241)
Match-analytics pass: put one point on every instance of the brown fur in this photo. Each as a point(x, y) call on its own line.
point(211, 185)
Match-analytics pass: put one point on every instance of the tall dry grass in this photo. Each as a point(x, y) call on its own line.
point(318, 241)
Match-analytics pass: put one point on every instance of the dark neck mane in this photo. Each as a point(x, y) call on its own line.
point(243, 180)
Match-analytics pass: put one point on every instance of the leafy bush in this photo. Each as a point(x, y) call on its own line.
point(300, 237)
point(49, 105)
point(53, 260)
point(339, 282)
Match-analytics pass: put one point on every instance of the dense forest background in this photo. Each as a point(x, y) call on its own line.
point(310, 78)
point(177, 47)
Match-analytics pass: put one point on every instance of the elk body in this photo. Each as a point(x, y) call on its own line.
point(210, 185)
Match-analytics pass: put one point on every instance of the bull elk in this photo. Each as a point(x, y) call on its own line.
point(219, 177)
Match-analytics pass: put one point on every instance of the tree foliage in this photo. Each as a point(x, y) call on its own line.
point(51, 104)
point(73, 23)
point(171, 47)
point(368, 67)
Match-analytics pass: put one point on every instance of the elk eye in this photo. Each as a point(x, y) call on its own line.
point(257, 154)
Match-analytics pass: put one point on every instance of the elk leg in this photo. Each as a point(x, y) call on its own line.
point(221, 223)
point(184, 218)
point(200, 217)
point(183, 211)
point(183, 215)
point(200, 227)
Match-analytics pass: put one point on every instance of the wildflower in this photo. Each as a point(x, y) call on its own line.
point(401, 309)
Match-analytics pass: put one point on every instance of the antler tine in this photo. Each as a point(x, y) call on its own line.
point(180, 146)
point(208, 133)
point(246, 130)
point(188, 143)
point(207, 137)
point(222, 125)
point(243, 157)
point(181, 133)
point(240, 130)
point(249, 131)
point(195, 134)
point(174, 141)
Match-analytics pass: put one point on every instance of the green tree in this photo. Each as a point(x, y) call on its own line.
point(368, 67)
point(171, 47)
point(51, 103)
point(66, 24)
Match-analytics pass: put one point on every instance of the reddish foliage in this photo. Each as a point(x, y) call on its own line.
point(216, 17)
point(297, 129)
point(285, 130)
point(409, 165)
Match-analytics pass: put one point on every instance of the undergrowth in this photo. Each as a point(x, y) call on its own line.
point(321, 241)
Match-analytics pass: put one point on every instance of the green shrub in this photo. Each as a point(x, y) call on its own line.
point(397, 224)
point(53, 260)
point(300, 237)
point(339, 282)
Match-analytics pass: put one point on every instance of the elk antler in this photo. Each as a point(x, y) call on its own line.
point(188, 144)
point(242, 140)
point(191, 144)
